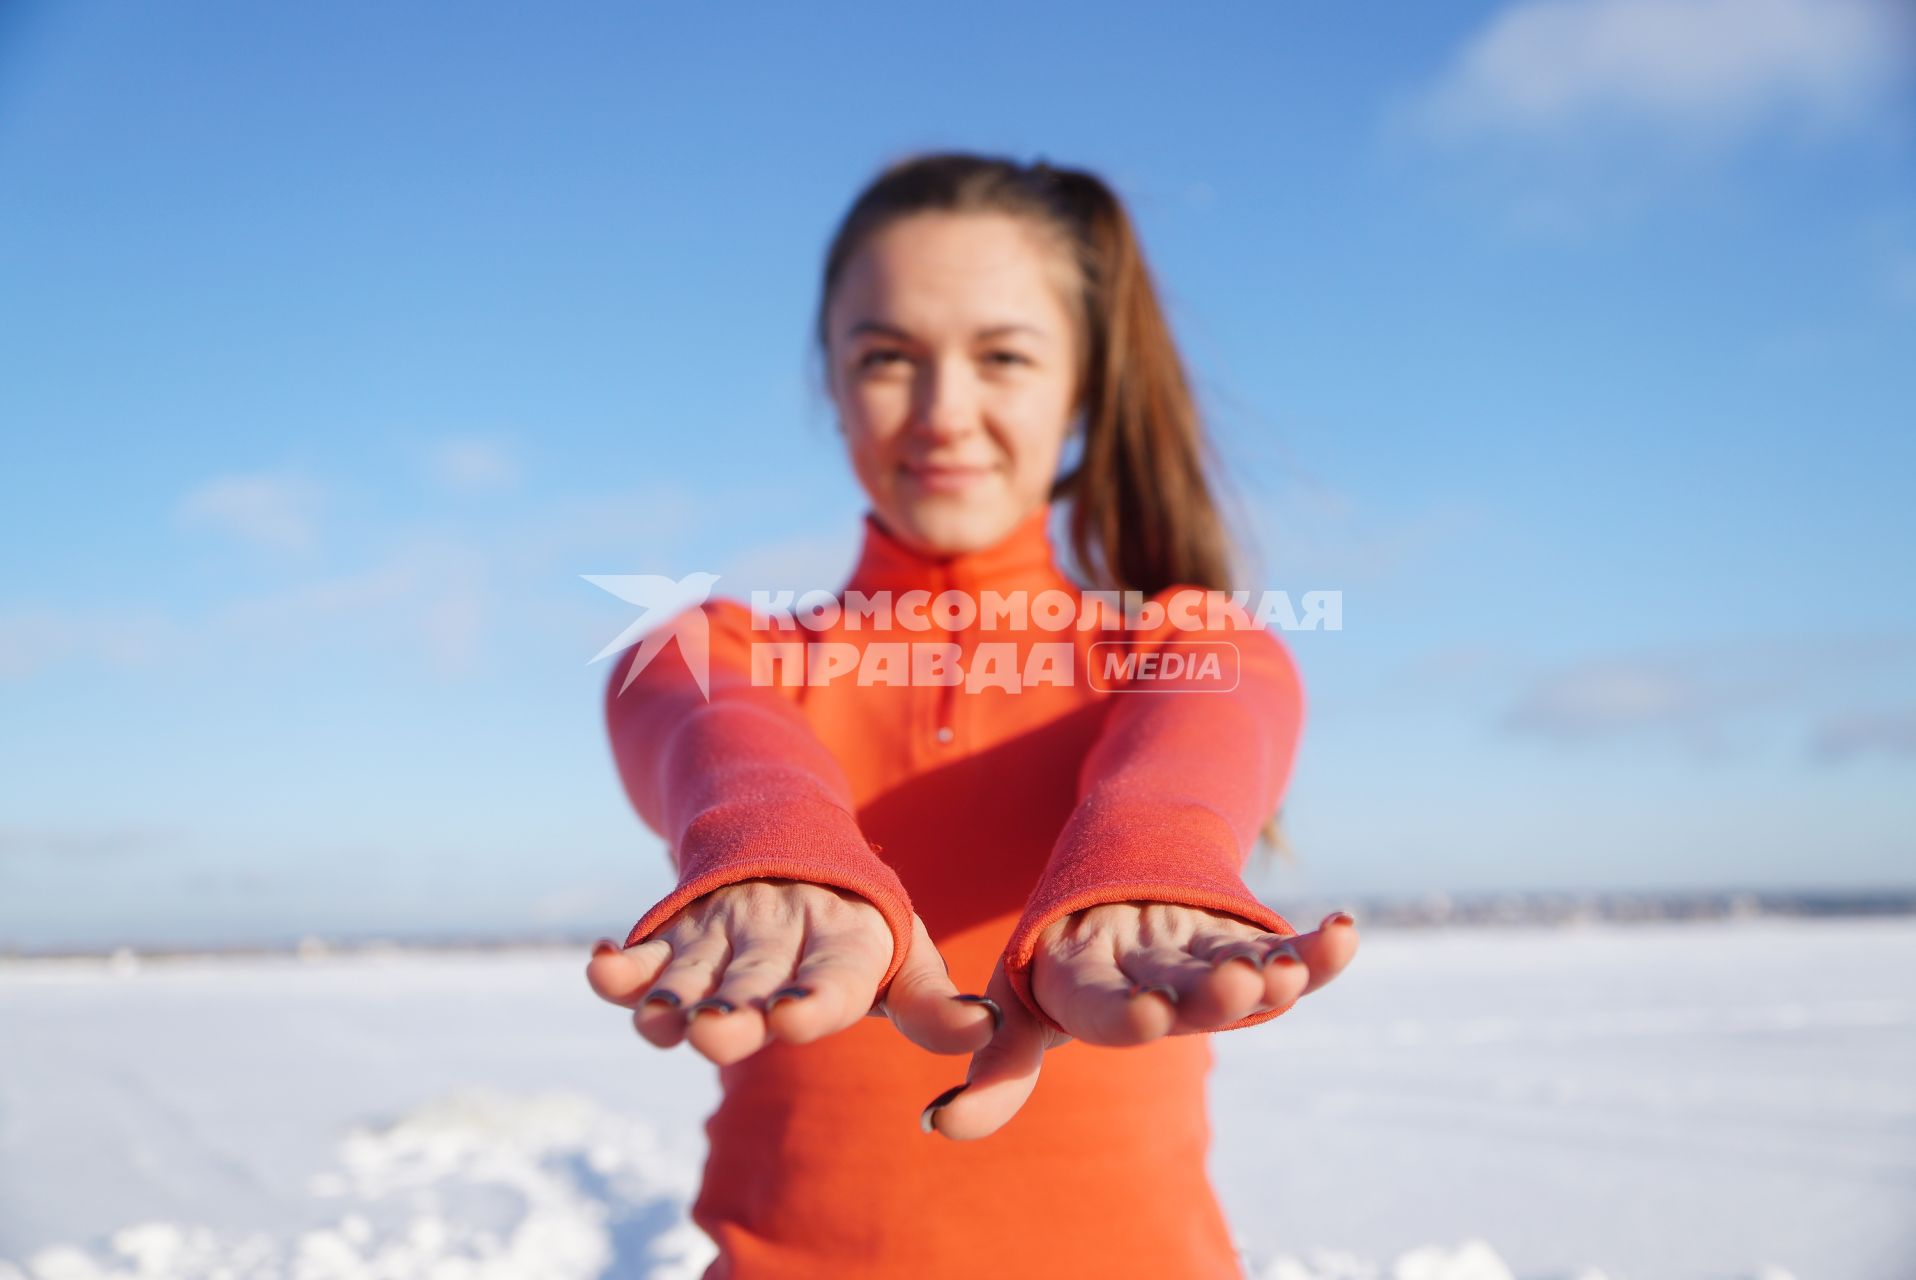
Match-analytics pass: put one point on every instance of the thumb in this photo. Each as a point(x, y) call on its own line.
point(1002, 1074)
point(920, 1001)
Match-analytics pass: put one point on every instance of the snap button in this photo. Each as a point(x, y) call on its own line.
point(945, 733)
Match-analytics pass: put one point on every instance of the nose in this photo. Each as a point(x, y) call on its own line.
point(945, 407)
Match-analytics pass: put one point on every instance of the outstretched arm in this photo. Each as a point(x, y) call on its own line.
point(1144, 890)
point(738, 784)
point(1185, 769)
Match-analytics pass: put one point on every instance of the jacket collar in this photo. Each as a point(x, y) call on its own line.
point(1023, 557)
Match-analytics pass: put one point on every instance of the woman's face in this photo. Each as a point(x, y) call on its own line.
point(954, 368)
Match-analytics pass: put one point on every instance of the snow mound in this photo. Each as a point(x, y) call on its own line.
point(475, 1186)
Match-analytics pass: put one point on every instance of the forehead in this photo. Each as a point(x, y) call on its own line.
point(937, 271)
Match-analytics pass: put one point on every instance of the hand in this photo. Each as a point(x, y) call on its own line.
point(1129, 972)
point(717, 974)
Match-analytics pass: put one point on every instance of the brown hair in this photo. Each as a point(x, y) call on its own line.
point(1143, 511)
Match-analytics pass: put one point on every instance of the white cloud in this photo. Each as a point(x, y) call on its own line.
point(33, 638)
point(433, 595)
point(1607, 696)
point(1314, 536)
point(279, 512)
point(1697, 695)
point(473, 466)
point(434, 589)
point(1888, 732)
point(1697, 71)
point(448, 599)
point(640, 529)
point(816, 561)
point(85, 841)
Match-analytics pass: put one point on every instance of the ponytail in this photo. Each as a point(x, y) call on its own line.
point(1142, 513)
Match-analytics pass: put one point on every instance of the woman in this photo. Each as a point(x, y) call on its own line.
point(1040, 872)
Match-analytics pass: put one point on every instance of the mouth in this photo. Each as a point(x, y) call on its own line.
point(944, 477)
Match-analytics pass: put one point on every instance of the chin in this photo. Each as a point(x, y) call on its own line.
point(950, 525)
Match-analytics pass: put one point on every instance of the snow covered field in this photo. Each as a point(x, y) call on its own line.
point(1719, 1100)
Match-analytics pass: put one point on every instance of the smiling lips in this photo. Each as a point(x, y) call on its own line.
point(944, 478)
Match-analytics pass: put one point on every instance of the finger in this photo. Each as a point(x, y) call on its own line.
point(831, 988)
point(1171, 981)
point(729, 1022)
point(928, 1008)
point(1325, 952)
point(1234, 980)
point(1296, 964)
point(1090, 992)
point(621, 975)
point(699, 954)
point(1002, 1074)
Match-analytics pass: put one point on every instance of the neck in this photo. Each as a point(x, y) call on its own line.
point(1022, 558)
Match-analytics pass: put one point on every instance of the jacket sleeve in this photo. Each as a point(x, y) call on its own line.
point(1185, 770)
point(738, 784)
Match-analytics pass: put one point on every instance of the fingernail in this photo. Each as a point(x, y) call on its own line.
point(997, 1014)
point(1164, 989)
point(1283, 955)
point(670, 998)
point(785, 993)
point(1337, 917)
point(931, 1108)
point(604, 947)
point(719, 1003)
point(1238, 951)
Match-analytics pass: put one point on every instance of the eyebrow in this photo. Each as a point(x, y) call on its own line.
point(893, 331)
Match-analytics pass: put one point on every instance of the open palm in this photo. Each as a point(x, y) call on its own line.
point(775, 959)
point(1126, 973)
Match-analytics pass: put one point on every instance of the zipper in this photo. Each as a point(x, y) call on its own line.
point(944, 732)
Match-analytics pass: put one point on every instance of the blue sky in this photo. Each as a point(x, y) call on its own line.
point(1571, 341)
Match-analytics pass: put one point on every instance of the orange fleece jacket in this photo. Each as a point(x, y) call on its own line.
point(995, 812)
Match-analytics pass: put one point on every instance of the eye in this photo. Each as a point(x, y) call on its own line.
point(872, 358)
point(1009, 357)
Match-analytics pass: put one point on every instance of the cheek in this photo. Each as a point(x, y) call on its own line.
point(872, 455)
point(875, 413)
point(1041, 411)
point(1039, 434)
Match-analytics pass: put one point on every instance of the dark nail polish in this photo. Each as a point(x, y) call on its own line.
point(1238, 951)
point(997, 1014)
point(786, 993)
point(1164, 989)
point(717, 1003)
point(604, 947)
point(931, 1108)
point(663, 997)
point(1337, 917)
point(1283, 956)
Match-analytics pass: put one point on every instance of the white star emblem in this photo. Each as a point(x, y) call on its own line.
point(653, 592)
